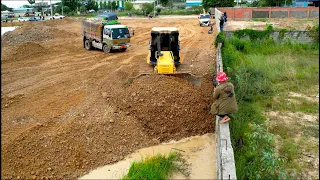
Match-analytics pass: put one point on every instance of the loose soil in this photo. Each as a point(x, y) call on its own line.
point(66, 111)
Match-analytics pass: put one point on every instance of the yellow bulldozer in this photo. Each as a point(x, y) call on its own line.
point(164, 52)
point(165, 56)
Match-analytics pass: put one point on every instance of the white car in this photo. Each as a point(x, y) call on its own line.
point(204, 19)
point(57, 16)
point(22, 19)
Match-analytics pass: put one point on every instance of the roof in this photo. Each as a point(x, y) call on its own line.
point(164, 29)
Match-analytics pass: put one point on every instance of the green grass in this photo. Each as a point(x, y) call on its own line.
point(157, 167)
point(262, 70)
point(260, 19)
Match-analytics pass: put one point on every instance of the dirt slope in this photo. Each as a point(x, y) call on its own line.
point(66, 110)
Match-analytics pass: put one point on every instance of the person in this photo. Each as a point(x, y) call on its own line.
point(225, 16)
point(224, 98)
point(221, 22)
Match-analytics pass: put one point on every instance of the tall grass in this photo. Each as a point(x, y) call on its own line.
point(259, 68)
point(157, 167)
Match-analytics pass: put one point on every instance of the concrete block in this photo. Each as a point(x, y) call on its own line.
point(298, 14)
point(260, 14)
point(279, 14)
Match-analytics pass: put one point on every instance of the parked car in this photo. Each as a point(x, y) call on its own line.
point(22, 19)
point(32, 19)
point(92, 11)
point(57, 16)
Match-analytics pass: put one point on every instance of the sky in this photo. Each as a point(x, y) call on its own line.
point(18, 3)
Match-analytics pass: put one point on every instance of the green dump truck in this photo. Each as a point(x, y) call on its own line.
point(107, 36)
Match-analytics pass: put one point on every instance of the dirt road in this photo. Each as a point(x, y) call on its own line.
point(66, 110)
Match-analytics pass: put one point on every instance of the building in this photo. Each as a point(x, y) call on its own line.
point(305, 3)
point(190, 3)
point(41, 4)
point(120, 3)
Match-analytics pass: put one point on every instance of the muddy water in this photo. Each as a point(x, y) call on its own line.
point(7, 29)
point(199, 151)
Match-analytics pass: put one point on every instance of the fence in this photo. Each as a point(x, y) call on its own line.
point(271, 12)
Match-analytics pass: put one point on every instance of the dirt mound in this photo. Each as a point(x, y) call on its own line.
point(34, 33)
point(169, 107)
point(24, 51)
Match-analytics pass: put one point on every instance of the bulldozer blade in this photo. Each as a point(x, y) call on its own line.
point(182, 71)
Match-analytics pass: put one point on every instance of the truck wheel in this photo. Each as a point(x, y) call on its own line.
point(106, 49)
point(87, 45)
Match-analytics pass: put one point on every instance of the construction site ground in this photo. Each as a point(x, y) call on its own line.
point(66, 110)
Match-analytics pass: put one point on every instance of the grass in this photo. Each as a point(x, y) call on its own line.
point(263, 73)
point(157, 167)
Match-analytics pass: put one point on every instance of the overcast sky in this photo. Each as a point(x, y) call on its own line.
point(18, 3)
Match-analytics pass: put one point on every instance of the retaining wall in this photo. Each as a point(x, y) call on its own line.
point(226, 168)
point(271, 12)
point(299, 36)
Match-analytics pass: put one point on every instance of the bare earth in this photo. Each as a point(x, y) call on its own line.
point(66, 111)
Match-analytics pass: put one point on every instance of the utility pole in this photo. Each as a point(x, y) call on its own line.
point(51, 9)
point(154, 8)
point(62, 7)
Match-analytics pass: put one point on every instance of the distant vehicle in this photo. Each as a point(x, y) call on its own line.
point(38, 18)
point(204, 19)
point(92, 11)
point(4, 17)
point(108, 16)
point(32, 19)
point(57, 16)
point(22, 19)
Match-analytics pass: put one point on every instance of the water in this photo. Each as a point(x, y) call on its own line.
point(199, 151)
point(7, 29)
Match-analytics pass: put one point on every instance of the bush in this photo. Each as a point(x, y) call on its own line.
point(82, 9)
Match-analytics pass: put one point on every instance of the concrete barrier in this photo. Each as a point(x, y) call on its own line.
point(226, 168)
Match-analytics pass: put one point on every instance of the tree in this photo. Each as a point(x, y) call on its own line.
point(100, 5)
point(26, 6)
point(128, 6)
point(164, 2)
point(92, 5)
point(147, 8)
point(4, 7)
point(114, 5)
point(104, 5)
point(66, 9)
point(83, 9)
point(217, 3)
point(31, 1)
point(72, 4)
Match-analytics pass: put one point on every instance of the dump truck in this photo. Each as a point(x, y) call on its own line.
point(107, 36)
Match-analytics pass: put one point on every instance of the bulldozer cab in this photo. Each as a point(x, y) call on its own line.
point(164, 39)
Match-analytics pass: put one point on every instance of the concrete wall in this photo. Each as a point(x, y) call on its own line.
point(273, 12)
point(226, 168)
point(299, 36)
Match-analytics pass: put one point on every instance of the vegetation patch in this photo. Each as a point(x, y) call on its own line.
point(157, 167)
point(263, 73)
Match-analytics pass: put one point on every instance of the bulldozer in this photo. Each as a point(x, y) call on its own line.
point(164, 52)
point(165, 56)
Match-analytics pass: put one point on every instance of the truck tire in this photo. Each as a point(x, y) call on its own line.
point(106, 49)
point(87, 44)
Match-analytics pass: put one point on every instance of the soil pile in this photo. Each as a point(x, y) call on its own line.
point(169, 107)
point(24, 51)
point(34, 33)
